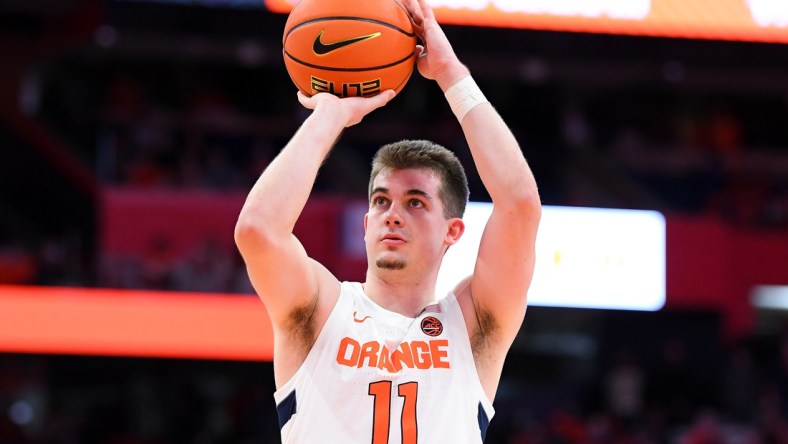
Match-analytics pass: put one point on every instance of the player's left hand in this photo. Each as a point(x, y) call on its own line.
point(436, 58)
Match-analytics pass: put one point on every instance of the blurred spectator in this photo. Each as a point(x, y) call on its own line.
point(125, 100)
point(567, 427)
point(740, 386)
point(673, 384)
point(576, 130)
point(61, 261)
point(780, 375)
point(625, 386)
point(724, 137)
point(219, 172)
point(157, 264)
point(705, 430)
point(207, 268)
point(774, 212)
point(239, 279)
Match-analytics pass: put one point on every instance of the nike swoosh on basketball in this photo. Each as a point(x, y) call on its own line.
point(321, 48)
point(360, 320)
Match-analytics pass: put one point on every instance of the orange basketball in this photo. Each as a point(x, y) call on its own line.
point(349, 47)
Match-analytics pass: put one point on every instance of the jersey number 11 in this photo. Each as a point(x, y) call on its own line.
point(381, 418)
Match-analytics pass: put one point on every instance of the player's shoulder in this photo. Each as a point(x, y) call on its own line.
point(305, 322)
point(328, 289)
point(462, 291)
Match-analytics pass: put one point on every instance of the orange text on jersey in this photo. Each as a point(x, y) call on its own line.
point(415, 354)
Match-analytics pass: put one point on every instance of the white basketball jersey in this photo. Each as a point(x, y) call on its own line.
point(375, 376)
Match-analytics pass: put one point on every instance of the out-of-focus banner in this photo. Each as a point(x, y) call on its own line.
point(746, 20)
point(585, 257)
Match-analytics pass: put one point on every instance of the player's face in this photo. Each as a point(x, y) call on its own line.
point(405, 225)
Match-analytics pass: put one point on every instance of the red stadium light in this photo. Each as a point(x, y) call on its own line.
point(79, 321)
point(745, 20)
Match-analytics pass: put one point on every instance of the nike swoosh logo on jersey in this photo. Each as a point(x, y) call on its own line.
point(360, 320)
point(321, 48)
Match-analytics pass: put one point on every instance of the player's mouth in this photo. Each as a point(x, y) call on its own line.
point(392, 239)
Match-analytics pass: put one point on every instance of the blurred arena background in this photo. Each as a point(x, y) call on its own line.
point(130, 132)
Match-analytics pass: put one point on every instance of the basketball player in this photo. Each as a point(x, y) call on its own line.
point(388, 360)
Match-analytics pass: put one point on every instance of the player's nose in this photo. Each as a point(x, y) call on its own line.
point(393, 217)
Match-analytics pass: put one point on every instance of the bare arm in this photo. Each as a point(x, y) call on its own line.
point(505, 263)
point(504, 266)
point(283, 275)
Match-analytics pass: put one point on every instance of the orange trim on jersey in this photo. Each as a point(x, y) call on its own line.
point(114, 322)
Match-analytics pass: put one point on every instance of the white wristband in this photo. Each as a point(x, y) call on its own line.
point(463, 96)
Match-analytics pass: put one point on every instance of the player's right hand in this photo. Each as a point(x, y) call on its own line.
point(349, 110)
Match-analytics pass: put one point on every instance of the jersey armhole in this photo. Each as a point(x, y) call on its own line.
point(333, 322)
point(453, 304)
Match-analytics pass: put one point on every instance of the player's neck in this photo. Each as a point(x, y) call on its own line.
point(407, 298)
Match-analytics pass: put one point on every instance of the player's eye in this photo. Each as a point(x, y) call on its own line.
point(379, 201)
point(415, 203)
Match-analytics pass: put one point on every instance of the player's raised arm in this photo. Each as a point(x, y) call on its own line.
point(281, 272)
point(505, 264)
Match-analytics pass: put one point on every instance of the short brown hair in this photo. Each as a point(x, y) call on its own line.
point(410, 154)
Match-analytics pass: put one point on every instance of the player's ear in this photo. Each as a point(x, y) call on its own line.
point(455, 230)
point(366, 217)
